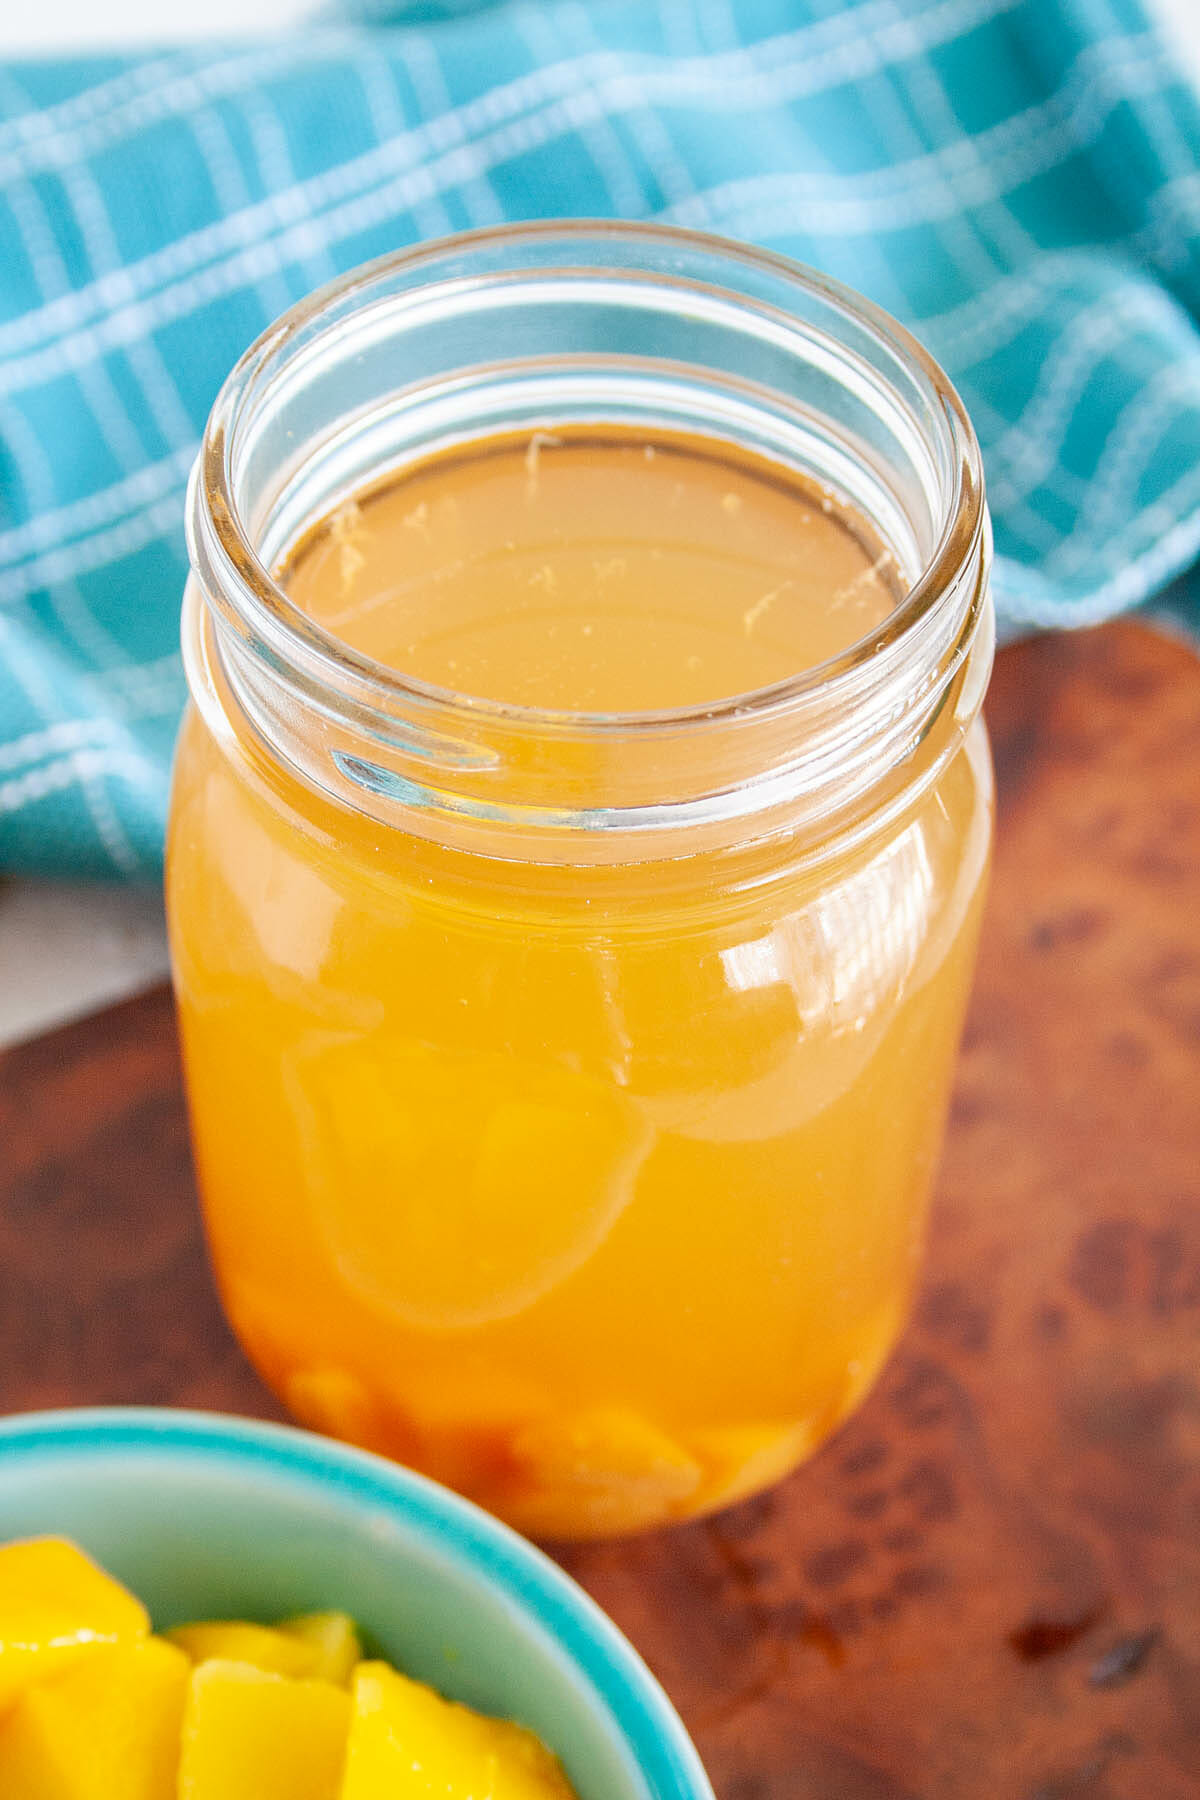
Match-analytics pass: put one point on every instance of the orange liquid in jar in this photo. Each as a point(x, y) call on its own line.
point(593, 1191)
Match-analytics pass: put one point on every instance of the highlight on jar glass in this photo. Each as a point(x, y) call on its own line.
point(578, 843)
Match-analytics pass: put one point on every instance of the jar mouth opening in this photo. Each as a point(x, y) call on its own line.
point(222, 540)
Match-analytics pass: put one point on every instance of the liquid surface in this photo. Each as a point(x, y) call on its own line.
point(586, 575)
point(594, 1193)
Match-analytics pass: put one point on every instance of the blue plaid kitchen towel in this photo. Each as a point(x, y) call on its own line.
point(1019, 180)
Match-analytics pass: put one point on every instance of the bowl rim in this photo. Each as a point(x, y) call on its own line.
point(525, 1576)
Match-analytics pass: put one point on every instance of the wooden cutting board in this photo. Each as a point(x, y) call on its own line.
point(988, 1585)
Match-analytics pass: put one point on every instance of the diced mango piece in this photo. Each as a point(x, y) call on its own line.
point(334, 1638)
point(54, 1604)
point(407, 1743)
point(331, 1401)
point(249, 1735)
point(741, 1459)
point(337, 1403)
point(235, 1640)
point(106, 1726)
point(608, 1470)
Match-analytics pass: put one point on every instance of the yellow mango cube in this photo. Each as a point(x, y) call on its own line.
point(338, 1404)
point(236, 1640)
point(105, 1727)
point(250, 1735)
point(407, 1743)
point(54, 1604)
point(607, 1470)
point(333, 1637)
point(741, 1459)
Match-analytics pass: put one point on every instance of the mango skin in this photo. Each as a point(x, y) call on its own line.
point(407, 1743)
point(251, 1735)
point(105, 1727)
point(56, 1604)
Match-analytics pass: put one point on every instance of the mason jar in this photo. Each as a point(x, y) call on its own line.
point(566, 1088)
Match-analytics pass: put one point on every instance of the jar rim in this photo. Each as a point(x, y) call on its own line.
point(221, 543)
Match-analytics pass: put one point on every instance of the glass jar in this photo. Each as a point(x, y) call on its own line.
point(566, 1090)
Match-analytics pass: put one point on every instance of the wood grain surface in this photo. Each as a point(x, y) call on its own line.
point(988, 1584)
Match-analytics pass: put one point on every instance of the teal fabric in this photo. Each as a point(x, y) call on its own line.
point(1019, 180)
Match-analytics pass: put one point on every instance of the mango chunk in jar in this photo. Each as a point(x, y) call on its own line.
point(576, 860)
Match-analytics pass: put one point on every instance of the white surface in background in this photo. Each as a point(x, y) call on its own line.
point(33, 27)
point(1180, 21)
point(66, 950)
point(54, 26)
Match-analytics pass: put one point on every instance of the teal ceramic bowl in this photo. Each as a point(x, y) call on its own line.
point(208, 1517)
